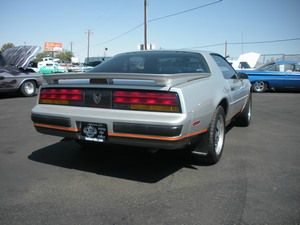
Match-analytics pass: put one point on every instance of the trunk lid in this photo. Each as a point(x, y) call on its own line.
point(161, 80)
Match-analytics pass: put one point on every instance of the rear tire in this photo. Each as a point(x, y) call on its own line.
point(244, 118)
point(212, 143)
point(28, 88)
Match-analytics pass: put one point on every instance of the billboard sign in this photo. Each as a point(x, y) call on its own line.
point(53, 47)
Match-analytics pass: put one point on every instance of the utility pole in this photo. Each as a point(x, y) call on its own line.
point(242, 42)
point(145, 24)
point(225, 49)
point(71, 47)
point(89, 32)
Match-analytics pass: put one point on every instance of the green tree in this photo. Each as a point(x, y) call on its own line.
point(7, 46)
point(39, 57)
point(64, 56)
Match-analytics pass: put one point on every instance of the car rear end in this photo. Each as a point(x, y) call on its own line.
point(131, 99)
point(138, 117)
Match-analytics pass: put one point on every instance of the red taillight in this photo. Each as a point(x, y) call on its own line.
point(61, 96)
point(151, 101)
point(127, 100)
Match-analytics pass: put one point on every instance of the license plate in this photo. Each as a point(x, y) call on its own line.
point(94, 131)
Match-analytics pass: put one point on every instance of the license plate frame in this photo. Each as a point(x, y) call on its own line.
point(96, 132)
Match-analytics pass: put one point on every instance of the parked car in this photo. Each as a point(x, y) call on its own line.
point(246, 61)
point(14, 72)
point(52, 67)
point(279, 75)
point(48, 65)
point(152, 99)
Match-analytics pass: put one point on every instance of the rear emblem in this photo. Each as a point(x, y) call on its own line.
point(97, 97)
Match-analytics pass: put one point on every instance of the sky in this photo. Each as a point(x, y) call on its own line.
point(33, 22)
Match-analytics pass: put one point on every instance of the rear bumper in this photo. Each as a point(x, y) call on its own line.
point(134, 134)
point(168, 145)
point(146, 129)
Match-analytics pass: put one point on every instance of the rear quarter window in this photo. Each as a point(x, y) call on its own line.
point(226, 69)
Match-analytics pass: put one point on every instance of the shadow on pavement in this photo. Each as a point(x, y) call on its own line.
point(13, 95)
point(9, 95)
point(115, 161)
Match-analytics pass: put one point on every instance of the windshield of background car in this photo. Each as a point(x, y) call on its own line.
point(244, 65)
point(297, 68)
point(269, 67)
point(155, 63)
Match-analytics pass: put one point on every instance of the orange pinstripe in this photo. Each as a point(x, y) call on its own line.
point(71, 129)
point(139, 136)
point(161, 138)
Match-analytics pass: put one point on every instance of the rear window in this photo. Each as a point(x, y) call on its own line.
point(155, 63)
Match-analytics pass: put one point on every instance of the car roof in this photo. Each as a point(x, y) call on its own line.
point(165, 51)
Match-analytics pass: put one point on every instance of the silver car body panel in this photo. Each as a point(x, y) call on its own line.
point(199, 96)
point(9, 82)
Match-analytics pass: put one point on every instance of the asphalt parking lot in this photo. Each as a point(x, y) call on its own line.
point(44, 180)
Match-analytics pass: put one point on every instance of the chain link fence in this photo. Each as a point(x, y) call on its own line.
point(266, 58)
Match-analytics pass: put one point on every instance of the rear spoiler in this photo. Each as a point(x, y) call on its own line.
point(165, 80)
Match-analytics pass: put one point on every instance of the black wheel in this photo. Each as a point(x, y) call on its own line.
point(211, 144)
point(259, 86)
point(28, 88)
point(244, 118)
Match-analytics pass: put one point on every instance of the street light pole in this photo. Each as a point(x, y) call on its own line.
point(145, 24)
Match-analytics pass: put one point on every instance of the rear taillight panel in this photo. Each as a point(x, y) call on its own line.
point(57, 96)
point(146, 101)
point(116, 99)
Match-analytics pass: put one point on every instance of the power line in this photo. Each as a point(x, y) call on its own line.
point(159, 18)
point(204, 46)
point(263, 42)
point(184, 11)
point(122, 34)
point(245, 43)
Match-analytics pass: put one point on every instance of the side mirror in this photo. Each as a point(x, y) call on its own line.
point(242, 76)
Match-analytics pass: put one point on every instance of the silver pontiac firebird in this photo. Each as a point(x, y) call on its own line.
point(153, 99)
